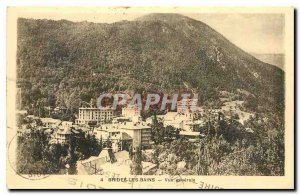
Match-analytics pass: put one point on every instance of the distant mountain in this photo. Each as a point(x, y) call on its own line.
point(64, 62)
point(276, 59)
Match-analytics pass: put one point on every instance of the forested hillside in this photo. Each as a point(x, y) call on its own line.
point(62, 63)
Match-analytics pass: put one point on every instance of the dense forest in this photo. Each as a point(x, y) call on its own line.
point(63, 63)
point(227, 149)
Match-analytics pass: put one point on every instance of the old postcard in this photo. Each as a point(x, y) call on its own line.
point(150, 98)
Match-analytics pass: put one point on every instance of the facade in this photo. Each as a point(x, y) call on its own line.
point(67, 123)
point(121, 119)
point(94, 115)
point(140, 133)
point(186, 105)
point(132, 113)
point(137, 134)
point(50, 122)
point(63, 134)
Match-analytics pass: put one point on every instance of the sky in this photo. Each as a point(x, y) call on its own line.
point(255, 33)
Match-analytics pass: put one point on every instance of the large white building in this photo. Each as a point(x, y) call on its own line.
point(184, 118)
point(133, 113)
point(138, 134)
point(94, 115)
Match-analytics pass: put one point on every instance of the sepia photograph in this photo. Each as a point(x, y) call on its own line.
point(150, 98)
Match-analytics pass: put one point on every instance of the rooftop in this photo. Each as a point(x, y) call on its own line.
point(64, 130)
point(50, 120)
point(89, 108)
point(189, 133)
point(134, 126)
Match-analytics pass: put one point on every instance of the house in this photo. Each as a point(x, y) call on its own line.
point(50, 122)
point(63, 134)
point(67, 123)
point(133, 113)
point(107, 161)
point(187, 105)
point(140, 133)
point(182, 120)
point(124, 134)
point(187, 112)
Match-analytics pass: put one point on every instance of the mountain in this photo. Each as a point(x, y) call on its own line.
point(64, 63)
point(276, 59)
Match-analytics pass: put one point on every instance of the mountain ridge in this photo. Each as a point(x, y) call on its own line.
point(275, 59)
point(148, 54)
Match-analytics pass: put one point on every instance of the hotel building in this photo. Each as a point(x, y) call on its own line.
point(94, 115)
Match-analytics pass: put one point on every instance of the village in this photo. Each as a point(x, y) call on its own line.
point(149, 98)
point(126, 132)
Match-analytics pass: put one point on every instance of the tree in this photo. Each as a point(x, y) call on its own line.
point(136, 167)
point(171, 133)
point(204, 158)
point(109, 142)
point(89, 146)
point(157, 131)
